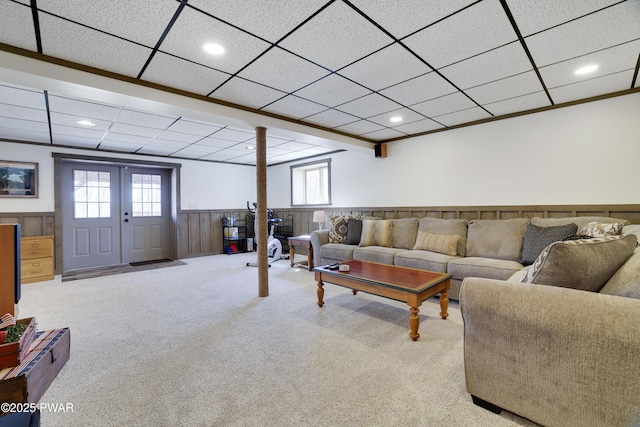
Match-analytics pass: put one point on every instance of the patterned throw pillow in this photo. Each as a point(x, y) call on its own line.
point(537, 238)
point(377, 233)
point(601, 229)
point(338, 227)
point(441, 243)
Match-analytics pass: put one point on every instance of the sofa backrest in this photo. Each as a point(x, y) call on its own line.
point(448, 227)
point(580, 221)
point(626, 281)
point(496, 238)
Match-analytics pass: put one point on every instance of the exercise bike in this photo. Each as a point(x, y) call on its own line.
point(274, 246)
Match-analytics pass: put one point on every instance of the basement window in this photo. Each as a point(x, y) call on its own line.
point(311, 183)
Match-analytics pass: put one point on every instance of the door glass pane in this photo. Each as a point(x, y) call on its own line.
point(92, 194)
point(146, 194)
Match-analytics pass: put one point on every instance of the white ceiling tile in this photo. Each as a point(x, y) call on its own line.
point(170, 71)
point(128, 129)
point(119, 146)
point(60, 131)
point(76, 141)
point(294, 146)
point(176, 145)
point(383, 134)
point(282, 70)
point(425, 125)
point(82, 109)
point(588, 34)
point(71, 121)
point(268, 19)
point(370, 105)
point(592, 87)
point(24, 97)
point(225, 155)
point(420, 89)
point(477, 29)
point(61, 38)
point(200, 149)
point(243, 92)
point(533, 16)
point(520, 103)
point(274, 141)
point(218, 143)
point(179, 137)
point(331, 118)
point(155, 150)
point(360, 127)
point(13, 30)
point(292, 106)
point(482, 68)
point(510, 87)
point(17, 112)
point(619, 58)
point(443, 105)
point(114, 137)
point(151, 120)
point(277, 151)
point(18, 130)
point(332, 90)
point(403, 17)
point(336, 37)
point(463, 116)
point(233, 134)
point(194, 127)
point(406, 114)
point(13, 123)
point(389, 66)
point(193, 29)
point(188, 153)
point(141, 21)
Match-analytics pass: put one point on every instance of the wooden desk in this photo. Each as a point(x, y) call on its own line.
point(301, 241)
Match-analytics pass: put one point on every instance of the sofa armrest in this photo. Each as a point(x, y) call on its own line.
point(557, 356)
point(318, 238)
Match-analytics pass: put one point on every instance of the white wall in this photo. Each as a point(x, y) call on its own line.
point(584, 154)
point(204, 185)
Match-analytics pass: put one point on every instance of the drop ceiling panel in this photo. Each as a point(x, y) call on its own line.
point(176, 145)
point(23, 97)
point(360, 127)
point(463, 116)
point(294, 107)
point(119, 146)
point(179, 137)
point(406, 114)
point(294, 146)
point(385, 134)
point(244, 92)
point(479, 28)
point(587, 34)
point(194, 127)
point(188, 153)
point(443, 105)
point(591, 87)
point(281, 70)
point(59, 131)
point(128, 129)
point(151, 120)
point(162, 151)
point(24, 113)
point(71, 121)
point(332, 90)
point(12, 123)
point(420, 89)
point(408, 16)
point(114, 137)
point(13, 30)
point(61, 38)
point(76, 141)
point(274, 141)
point(510, 87)
point(141, 21)
point(237, 135)
point(425, 125)
point(331, 118)
point(225, 155)
point(193, 29)
point(82, 109)
point(336, 37)
point(370, 105)
point(170, 71)
point(23, 134)
point(482, 68)
point(389, 66)
point(533, 16)
point(520, 103)
point(210, 143)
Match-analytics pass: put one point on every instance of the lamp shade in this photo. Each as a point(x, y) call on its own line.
point(319, 216)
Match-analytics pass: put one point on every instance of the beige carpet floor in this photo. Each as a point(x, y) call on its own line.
point(194, 345)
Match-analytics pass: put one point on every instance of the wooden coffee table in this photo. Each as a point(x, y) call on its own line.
point(405, 284)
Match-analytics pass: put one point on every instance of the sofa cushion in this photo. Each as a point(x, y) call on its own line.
point(338, 227)
point(424, 260)
point(489, 268)
point(379, 254)
point(496, 238)
point(580, 221)
point(624, 282)
point(404, 233)
point(581, 264)
point(632, 229)
point(442, 243)
point(377, 233)
point(602, 229)
point(337, 251)
point(537, 238)
point(447, 226)
point(354, 231)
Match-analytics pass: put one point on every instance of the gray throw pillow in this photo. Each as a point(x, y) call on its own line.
point(354, 230)
point(537, 238)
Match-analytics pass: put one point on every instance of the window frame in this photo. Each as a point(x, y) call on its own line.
point(310, 166)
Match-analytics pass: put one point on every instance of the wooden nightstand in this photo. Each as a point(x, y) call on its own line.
point(36, 259)
point(301, 241)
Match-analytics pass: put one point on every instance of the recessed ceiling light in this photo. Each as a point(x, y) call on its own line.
point(250, 147)
point(85, 123)
point(395, 119)
point(586, 70)
point(213, 48)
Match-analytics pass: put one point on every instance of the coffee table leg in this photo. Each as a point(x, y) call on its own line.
point(414, 322)
point(320, 294)
point(444, 303)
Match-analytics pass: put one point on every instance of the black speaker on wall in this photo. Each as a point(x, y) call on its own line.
point(380, 150)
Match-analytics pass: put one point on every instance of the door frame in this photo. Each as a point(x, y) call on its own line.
point(174, 172)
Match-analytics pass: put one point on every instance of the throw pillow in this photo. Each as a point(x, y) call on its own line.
point(581, 264)
point(602, 229)
point(338, 227)
point(441, 243)
point(354, 231)
point(537, 238)
point(625, 281)
point(577, 237)
point(376, 233)
point(404, 233)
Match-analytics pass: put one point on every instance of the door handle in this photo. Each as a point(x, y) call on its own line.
point(126, 220)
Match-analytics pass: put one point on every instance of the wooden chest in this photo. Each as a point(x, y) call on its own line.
point(36, 259)
point(13, 353)
point(28, 382)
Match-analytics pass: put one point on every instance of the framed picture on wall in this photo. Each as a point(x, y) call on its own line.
point(18, 179)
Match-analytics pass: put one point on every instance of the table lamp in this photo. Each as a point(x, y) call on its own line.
point(320, 217)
